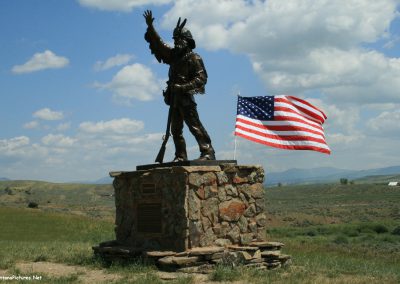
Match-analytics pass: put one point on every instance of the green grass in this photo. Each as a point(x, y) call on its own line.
point(91, 200)
point(334, 233)
point(29, 234)
point(305, 205)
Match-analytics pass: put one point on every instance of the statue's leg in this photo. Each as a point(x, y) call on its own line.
point(192, 120)
point(177, 134)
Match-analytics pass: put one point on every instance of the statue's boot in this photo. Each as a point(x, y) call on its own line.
point(206, 152)
point(180, 148)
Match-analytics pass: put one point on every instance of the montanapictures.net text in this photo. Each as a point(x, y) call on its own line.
point(20, 277)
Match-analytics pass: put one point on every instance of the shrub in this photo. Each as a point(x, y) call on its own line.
point(351, 232)
point(396, 231)
point(311, 233)
point(380, 229)
point(341, 239)
point(32, 204)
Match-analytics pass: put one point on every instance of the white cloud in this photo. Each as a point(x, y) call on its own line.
point(48, 114)
point(344, 139)
point(63, 126)
point(134, 81)
point(31, 125)
point(58, 140)
point(117, 60)
point(9, 146)
point(297, 46)
point(115, 126)
point(386, 123)
point(41, 61)
point(120, 5)
point(340, 118)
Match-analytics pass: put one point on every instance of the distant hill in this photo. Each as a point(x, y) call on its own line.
point(95, 199)
point(385, 179)
point(325, 174)
point(3, 178)
point(104, 180)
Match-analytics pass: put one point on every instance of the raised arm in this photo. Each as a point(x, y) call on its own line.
point(161, 50)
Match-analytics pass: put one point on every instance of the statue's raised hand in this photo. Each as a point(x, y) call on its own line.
point(148, 16)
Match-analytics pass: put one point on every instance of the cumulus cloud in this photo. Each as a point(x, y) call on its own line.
point(117, 60)
point(115, 126)
point(48, 114)
point(58, 140)
point(31, 125)
point(63, 126)
point(297, 46)
point(386, 123)
point(41, 61)
point(120, 5)
point(343, 118)
point(134, 81)
point(9, 146)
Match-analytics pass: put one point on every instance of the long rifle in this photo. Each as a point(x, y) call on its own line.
point(161, 153)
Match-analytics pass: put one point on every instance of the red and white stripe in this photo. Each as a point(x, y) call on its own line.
point(297, 125)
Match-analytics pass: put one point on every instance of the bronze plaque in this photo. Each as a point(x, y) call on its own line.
point(149, 218)
point(148, 188)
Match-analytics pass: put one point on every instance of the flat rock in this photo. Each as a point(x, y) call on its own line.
point(205, 250)
point(184, 260)
point(284, 257)
point(243, 248)
point(158, 253)
point(191, 169)
point(270, 254)
point(267, 244)
point(183, 253)
point(166, 260)
point(214, 256)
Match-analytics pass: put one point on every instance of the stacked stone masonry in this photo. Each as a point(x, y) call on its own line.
point(185, 207)
point(258, 255)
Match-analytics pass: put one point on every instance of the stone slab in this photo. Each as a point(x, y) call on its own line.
point(205, 250)
point(158, 253)
point(267, 244)
point(185, 163)
point(243, 248)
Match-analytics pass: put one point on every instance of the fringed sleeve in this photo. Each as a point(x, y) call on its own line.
point(161, 50)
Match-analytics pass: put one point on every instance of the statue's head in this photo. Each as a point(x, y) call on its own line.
point(181, 33)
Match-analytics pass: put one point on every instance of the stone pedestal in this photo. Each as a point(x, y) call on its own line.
point(180, 207)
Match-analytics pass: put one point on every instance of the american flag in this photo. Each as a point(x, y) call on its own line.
point(284, 122)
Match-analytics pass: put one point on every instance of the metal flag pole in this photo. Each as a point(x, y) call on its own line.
point(235, 141)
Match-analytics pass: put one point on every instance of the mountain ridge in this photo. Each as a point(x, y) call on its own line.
point(324, 174)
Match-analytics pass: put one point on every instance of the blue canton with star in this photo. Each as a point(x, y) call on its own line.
point(261, 108)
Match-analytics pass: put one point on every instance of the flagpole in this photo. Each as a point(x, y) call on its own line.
point(235, 141)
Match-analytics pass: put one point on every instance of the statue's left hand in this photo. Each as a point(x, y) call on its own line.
point(148, 16)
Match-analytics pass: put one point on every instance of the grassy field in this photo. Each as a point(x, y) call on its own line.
point(84, 199)
point(335, 233)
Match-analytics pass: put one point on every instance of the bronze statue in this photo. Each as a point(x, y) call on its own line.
point(187, 76)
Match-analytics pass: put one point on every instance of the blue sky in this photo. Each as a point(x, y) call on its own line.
point(81, 93)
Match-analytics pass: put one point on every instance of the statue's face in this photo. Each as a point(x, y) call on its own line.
point(180, 45)
point(179, 42)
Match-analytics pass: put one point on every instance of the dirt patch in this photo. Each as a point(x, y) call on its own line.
point(86, 275)
point(57, 270)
